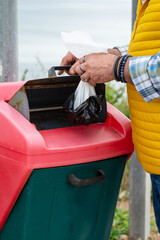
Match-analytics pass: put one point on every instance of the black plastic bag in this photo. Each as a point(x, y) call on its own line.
point(92, 110)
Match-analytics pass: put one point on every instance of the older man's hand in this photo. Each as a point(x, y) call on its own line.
point(97, 68)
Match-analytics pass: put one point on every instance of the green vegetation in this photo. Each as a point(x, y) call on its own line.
point(153, 222)
point(117, 97)
point(120, 224)
point(24, 74)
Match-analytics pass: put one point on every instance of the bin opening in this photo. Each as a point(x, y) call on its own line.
point(49, 119)
point(46, 98)
point(44, 101)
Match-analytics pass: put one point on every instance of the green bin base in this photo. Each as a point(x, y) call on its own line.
point(50, 208)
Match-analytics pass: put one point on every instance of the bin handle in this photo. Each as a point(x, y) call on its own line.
point(77, 182)
point(52, 70)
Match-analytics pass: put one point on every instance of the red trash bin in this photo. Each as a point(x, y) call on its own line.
point(23, 148)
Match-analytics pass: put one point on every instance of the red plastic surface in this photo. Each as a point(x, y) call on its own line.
point(7, 90)
point(23, 148)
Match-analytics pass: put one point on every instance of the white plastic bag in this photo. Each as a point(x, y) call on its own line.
point(81, 44)
point(82, 93)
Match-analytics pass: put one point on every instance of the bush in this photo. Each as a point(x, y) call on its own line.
point(116, 95)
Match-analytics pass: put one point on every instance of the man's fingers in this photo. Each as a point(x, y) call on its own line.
point(85, 77)
point(79, 62)
point(69, 59)
point(72, 70)
point(60, 72)
point(80, 69)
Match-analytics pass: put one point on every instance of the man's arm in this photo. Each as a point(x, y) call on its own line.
point(145, 75)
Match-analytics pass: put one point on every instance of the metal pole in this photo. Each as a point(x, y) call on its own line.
point(134, 9)
point(139, 200)
point(8, 40)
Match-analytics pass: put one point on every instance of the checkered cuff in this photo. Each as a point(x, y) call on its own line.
point(144, 77)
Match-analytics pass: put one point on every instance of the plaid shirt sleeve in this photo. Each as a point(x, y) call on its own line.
point(145, 74)
point(123, 49)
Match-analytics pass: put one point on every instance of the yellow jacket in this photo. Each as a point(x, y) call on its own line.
point(145, 117)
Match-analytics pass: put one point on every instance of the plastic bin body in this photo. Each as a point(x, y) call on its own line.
point(51, 208)
point(37, 201)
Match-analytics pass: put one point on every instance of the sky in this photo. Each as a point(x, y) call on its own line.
point(41, 23)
